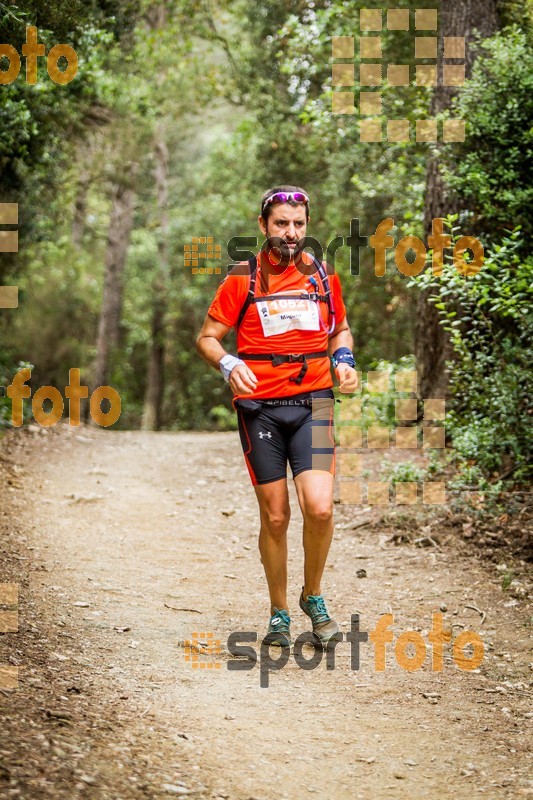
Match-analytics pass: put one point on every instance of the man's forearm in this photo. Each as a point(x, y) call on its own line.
point(211, 350)
point(341, 339)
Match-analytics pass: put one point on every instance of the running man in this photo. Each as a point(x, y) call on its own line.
point(289, 320)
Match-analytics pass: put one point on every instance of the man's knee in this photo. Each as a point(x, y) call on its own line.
point(316, 511)
point(276, 520)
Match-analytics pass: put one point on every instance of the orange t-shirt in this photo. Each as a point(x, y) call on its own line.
point(280, 326)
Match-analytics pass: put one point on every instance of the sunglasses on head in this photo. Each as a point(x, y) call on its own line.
point(284, 197)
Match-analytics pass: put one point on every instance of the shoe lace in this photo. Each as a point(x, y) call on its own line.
point(320, 612)
point(283, 616)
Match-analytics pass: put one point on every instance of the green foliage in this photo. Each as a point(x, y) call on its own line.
point(41, 128)
point(488, 317)
point(491, 171)
point(405, 471)
point(488, 314)
point(507, 579)
point(36, 118)
point(62, 285)
point(516, 12)
point(224, 419)
point(377, 408)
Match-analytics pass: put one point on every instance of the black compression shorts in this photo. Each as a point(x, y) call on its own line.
point(298, 429)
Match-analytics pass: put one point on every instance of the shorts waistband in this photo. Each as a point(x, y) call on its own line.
point(304, 399)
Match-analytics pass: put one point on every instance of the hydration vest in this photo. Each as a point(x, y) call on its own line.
point(282, 358)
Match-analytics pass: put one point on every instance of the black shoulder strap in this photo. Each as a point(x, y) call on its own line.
point(251, 290)
point(323, 274)
point(325, 283)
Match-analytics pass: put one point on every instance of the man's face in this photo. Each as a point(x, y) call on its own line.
point(287, 222)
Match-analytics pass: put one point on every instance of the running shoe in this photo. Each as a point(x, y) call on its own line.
point(324, 627)
point(279, 629)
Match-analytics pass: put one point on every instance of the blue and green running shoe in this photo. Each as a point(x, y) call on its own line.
point(279, 629)
point(324, 627)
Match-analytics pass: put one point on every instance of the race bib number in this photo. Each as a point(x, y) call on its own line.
point(280, 316)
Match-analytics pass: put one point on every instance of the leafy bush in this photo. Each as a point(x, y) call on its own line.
point(377, 408)
point(491, 170)
point(487, 314)
point(488, 318)
point(405, 471)
point(224, 418)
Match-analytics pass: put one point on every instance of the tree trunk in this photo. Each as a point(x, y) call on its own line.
point(432, 345)
point(153, 400)
point(120, 225)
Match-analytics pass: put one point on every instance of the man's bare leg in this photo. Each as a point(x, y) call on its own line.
point(315, 495)
point(275, 512)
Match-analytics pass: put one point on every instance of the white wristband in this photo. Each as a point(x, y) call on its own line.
point(227, 364)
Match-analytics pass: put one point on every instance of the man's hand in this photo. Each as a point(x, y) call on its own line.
point(348, 379)
point(242, 380)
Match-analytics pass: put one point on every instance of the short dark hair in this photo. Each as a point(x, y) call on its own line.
point(266, 212)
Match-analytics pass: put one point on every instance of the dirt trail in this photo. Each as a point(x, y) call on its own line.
point(134, 526)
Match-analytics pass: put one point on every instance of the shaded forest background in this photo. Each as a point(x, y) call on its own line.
point(181, 115)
